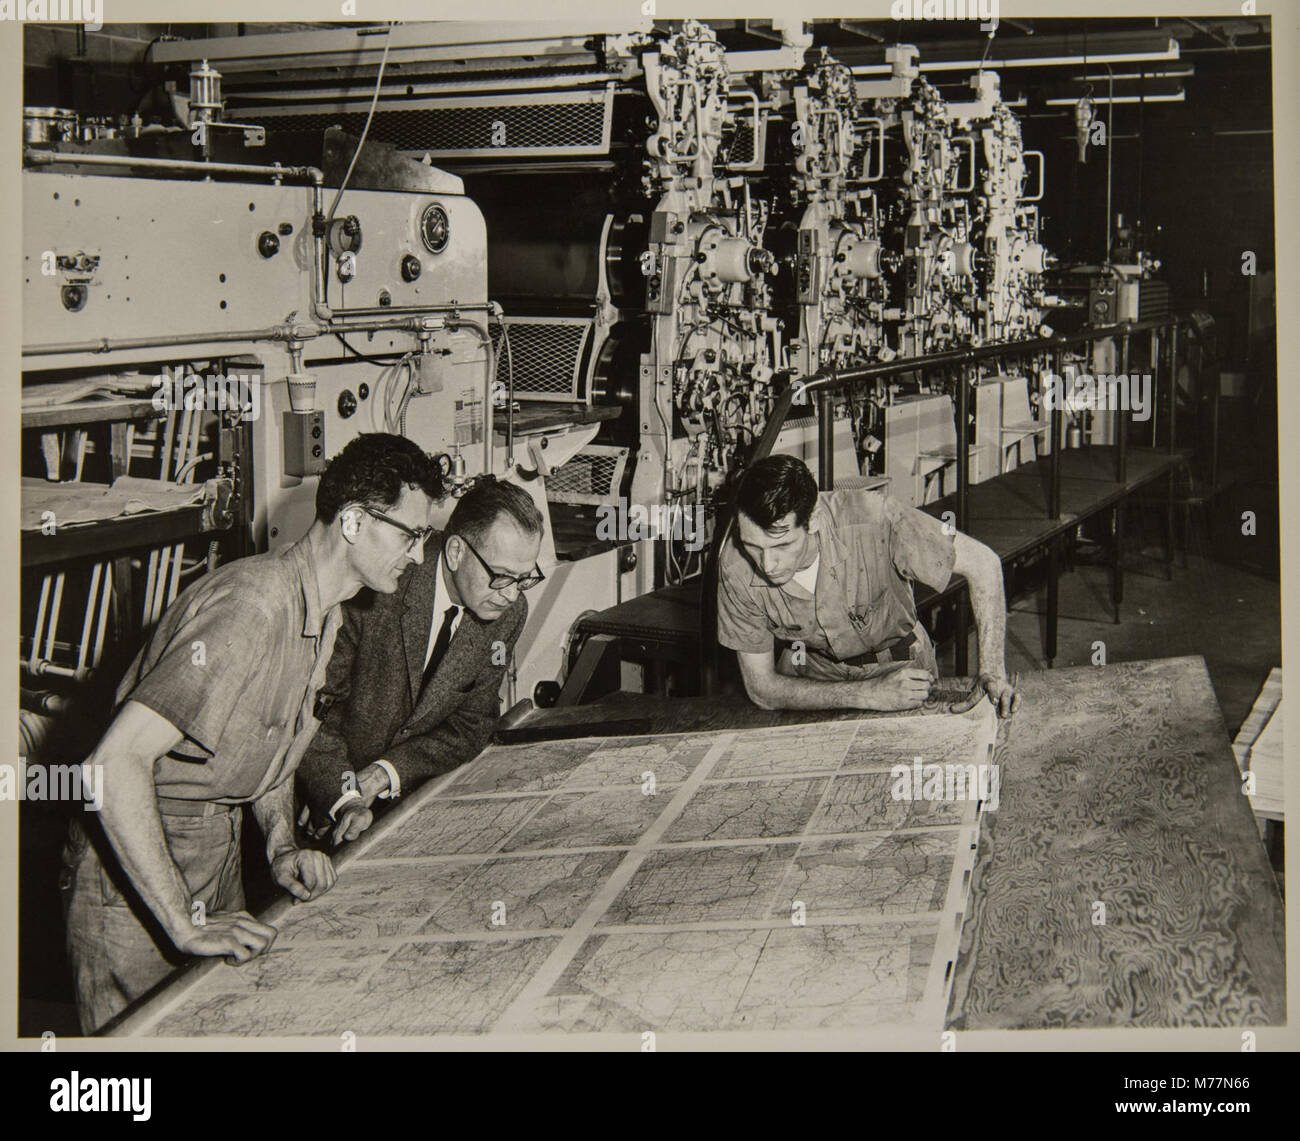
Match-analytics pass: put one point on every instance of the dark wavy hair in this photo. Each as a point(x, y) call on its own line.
point(775, 486)
point(488, 500)
point(373, 469)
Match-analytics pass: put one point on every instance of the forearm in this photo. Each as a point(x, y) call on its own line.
point(989, 606)
point(782, 692)
point(431, 754)
point(274, 815)
point(458, 739)
point(327, 770)
point(134, 829)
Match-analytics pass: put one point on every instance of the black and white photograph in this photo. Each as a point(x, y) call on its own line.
point(632, 528)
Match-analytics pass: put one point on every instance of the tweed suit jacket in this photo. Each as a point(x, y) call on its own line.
point(375, 705)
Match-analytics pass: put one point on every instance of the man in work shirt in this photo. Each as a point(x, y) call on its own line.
point(830, 575)
point(214, 713)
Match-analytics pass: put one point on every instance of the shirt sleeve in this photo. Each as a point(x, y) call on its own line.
point(742, 625)
point(211, 662)
point(918, 546)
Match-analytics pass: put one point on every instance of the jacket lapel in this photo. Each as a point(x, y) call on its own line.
point(465, 656)
point(417, 613)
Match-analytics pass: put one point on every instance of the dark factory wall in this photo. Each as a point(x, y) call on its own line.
point(1197, 175)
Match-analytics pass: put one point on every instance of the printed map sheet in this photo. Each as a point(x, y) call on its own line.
point(725, 881)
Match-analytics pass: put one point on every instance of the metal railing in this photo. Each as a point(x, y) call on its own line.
point(823, 386)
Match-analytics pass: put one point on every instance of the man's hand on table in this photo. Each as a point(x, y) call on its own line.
point(303, 872)
point(354, 817)
point(351, 820)
point(1000, 690)
point(234, 934)
point(905, 688)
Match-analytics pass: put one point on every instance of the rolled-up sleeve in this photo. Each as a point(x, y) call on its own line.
point(210, 662)
point(742, 625)
point(918, 546)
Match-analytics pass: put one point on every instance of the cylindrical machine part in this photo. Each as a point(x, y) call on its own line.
point(733, 260)
point(535, 265)
point(49, 124)
point(615, 373)
point(863, 259)
point(205, 93)
point(964, 258)
point(1033, 258)
point(34, 730)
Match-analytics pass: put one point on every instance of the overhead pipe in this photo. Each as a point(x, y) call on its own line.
point(276, 171)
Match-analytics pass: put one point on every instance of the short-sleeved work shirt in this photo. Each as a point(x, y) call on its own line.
point(871, 549)
point(235, 664)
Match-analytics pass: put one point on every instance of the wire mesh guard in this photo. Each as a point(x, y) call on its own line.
point(740, 142)
point(504, 125)
point(544, 355)
point(592, 477)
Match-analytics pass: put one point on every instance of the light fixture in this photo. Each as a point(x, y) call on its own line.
point(1162, 73)
point(1048, 51)
point(1178, 97)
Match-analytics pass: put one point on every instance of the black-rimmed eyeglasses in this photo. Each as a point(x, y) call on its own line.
point(498, 580)
point(416, 536)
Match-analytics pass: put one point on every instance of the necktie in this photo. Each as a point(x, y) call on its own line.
point(440, 644)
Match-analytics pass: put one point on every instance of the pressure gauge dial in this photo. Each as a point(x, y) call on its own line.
point(435, 230)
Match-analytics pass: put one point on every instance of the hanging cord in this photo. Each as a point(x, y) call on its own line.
point(379, 82)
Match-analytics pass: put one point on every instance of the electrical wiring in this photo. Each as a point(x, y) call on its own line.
point(363, 356)
point(365, 130)
point(395, 416)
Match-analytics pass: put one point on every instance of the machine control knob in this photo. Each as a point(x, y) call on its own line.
point(316, 432)
point(268, 245)
point(411, 267)
point(546, 694)
point(347, 403)
point(363, 390)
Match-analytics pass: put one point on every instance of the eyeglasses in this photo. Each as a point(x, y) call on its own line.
point(416, 537)
point(499, 581)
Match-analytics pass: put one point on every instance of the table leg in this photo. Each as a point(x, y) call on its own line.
point(1117, 555)
point(1169, 524)
point(1053, 576)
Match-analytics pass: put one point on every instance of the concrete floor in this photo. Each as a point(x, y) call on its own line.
point(1229, 616)
point(1229, 613)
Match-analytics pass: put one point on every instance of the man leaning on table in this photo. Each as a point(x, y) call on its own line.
point(215, 713)
point(413, 690)
point(829, 577)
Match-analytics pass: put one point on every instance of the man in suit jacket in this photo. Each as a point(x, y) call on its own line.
point(413, 688)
